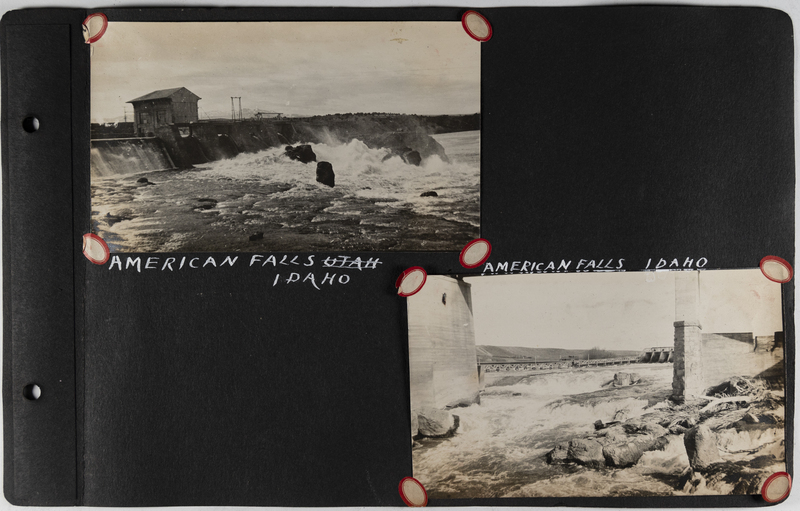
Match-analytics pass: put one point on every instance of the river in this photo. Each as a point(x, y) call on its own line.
point(500, 446)
point(264, 201)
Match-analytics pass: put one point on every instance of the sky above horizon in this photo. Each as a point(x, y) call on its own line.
point(297, 68)
point(618, 310)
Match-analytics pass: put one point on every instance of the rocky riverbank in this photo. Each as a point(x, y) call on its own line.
point(733, 437)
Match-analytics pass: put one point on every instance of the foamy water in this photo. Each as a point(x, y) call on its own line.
point(376, 203)
point(499, 449)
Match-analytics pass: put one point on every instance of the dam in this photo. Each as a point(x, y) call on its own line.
point(182, 145)
point(167, 133)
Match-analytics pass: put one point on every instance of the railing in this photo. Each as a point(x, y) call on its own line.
point(496, 367)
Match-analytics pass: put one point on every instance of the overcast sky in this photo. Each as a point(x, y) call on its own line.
point(615, 310)
point(300, 68)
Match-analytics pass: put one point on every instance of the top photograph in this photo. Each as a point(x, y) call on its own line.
point(285, 136)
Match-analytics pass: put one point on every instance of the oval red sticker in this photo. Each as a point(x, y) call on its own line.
point(776, 487)
point(475, 253)
point(94, 26)
point(776, 269)
point(411, 281)
point(476, 26)
point(95, 249)
point(412, 492)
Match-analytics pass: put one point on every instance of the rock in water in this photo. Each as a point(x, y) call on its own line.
point(701, 446)
point(436, 423)
point(622, 455)
point(429, 194)
point(142, 180)
point(559, 454)
point(302, 153)
point(325, 173)
point(622, 380)
point(586, 451)
point(412, 157)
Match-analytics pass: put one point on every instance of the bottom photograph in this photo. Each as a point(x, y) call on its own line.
point(597, 384)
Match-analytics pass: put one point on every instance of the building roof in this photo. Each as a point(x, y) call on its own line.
point(162, 94)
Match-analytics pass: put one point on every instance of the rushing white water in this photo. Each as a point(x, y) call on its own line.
point(376, 203)
point(499, 449)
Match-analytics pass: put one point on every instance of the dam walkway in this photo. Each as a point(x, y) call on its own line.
point(661, 355)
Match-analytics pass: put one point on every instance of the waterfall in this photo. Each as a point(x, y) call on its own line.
point(128, 156)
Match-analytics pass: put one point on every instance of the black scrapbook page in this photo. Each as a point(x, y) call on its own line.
point(444, 256)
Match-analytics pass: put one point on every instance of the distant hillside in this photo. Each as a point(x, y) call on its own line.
point(509, 353)
point(430, 124)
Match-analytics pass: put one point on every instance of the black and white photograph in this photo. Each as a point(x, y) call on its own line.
point(290, 136)
point(597, 384)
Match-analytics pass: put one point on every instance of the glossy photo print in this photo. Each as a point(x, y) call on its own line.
point(597, 384)
point(291, 136)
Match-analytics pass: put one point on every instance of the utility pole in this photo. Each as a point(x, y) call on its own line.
point(240, 108)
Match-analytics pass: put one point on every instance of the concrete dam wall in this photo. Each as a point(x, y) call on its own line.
point(128, 156)
point(443, 366)
point(183, 145)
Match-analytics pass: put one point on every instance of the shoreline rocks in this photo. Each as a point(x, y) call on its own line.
point(752, 424)
point(701, 447)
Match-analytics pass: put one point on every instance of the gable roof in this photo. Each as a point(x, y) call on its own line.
point(162, 94)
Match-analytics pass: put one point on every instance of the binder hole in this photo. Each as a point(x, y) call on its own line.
point(32, 391)
point(30, 124)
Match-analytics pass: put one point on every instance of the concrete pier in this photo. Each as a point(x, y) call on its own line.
point(687, 375)
point(443, 366)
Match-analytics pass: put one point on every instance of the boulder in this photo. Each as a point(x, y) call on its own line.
point(302, 153)
point(586, 451)
point(701, 447)
point(435, 423)
point(625, 379)
point(621, 379)
point(429, 194)
point(412, 157)
point(559, 454)
point(622, 455)
point(325, 173)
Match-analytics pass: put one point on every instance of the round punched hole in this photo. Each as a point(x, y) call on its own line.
point(32, 392)
point(30, 124)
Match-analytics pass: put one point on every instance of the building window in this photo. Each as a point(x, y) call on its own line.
point(144, 118)
point(161, 117)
